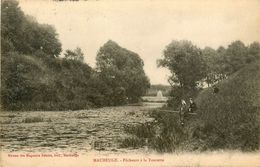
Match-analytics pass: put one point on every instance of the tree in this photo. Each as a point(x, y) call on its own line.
point(77, 54)
point(235, 56)
point(11, 21)
point(221, 65)
point(188, 68)
point(215, 65)
point(23, 34)
point(210, 56)
point(41, 37)
point(185, 62)
point(32, 78)
point(253, 52)
point(122, 70)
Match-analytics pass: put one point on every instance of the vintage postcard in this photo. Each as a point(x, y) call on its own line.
point(152, 83)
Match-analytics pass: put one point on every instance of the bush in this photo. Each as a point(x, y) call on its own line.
point(163, 135)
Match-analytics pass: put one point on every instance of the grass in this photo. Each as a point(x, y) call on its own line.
point(232, 113)
point(145, 130)
point(133, 142)
point(139, 135)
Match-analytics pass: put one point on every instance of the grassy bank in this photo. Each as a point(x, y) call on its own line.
point(228, 119)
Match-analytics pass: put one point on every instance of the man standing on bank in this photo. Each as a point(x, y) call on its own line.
point(192, 107)
point(183, 110)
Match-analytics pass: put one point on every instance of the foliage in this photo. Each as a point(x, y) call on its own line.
point(165, 134)
point(188, 67)
point(177, 93)
point(253, 52)
point(191, 67)
point(47, 84)
point(35, 78)
point(222, 62)
point(122, 71)
point(185, 62)
point(23, 34)
point(25, 46)
point(76, 55)
point(32, 78)
point(212, 59)
point(226, 120)
point(232, 113)
point(134, 142)
point(235, 56)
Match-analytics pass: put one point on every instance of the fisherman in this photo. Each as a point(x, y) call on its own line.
point(183, 110)
point(192, 107)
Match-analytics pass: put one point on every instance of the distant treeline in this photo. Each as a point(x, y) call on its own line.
point(35, 77)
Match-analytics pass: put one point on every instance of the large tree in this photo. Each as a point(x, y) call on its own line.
point(215, 65)
point(253, 52)
point(123, 71)
point(185, 62)
point(23, 34)
point(32, 78)
point(235, 56)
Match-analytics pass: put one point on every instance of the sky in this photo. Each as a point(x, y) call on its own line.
point(147, 26)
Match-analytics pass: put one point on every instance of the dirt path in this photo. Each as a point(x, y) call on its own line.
point(73, 131)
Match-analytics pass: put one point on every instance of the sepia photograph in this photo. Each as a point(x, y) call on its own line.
point(149, 83)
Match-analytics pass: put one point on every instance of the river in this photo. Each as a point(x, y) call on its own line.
point(70, 131)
